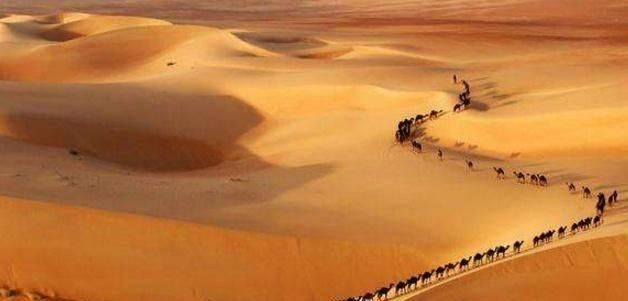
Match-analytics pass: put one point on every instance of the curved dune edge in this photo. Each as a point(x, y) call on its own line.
point(323, 53)
point(179, 261)
point(590, 270)
point(122, 50)
point(95, 25)
point(583, 133)
point(103, 55)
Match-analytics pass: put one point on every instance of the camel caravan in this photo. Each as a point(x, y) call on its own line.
point(424, 279)
point(430, 277)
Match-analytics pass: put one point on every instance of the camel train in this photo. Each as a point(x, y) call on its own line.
point(424, 279)
point(404, 133)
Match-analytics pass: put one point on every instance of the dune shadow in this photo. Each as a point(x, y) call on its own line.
point(560, 179)
point(166, 155)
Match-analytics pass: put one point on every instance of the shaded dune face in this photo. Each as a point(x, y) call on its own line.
point(128, 139)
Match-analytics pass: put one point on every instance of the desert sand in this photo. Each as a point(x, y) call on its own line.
point(159, 151)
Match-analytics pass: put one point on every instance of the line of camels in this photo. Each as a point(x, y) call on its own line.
point(424, 279)
point(427, 278)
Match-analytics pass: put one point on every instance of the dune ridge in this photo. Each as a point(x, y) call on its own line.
point(556, 274)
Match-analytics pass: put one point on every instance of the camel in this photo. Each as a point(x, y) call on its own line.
point(434, 113)
point(400, 288)
point(502, 250)
point(458, 107)
point(613, 198)
point(464, 263)
point(382, 293)
point(427, 277)
point(587, 222)
point(586, 192)
point(440, 155)
point(500, 172)
point(478, 258)
point(490, 254)
point(412, 282)
point(521, 178)
point(450, 267)
point(467, 88)
point(440, 272)
point(561, 231)
point(597, 220)
point(549, 235)
point(367, 297)
point(533, 179)
point(601, 203)
point(542, 180)
point(517, 246)
point(536, 241)
point(469, 164)
point(417, 146)
point(571, 186)
point(574, 228)
point(419, 118)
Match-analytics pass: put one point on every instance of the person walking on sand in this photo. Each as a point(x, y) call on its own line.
point(601, 203)
point(613, 198)
point(455, 79)
point(440, 154)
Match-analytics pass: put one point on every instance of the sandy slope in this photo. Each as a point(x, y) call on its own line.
point(593, 269)
point(283, 133)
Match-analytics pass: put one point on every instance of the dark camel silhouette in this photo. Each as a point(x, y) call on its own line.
point(586, 192)
point(537, 240)
point(427, 277)
point(413, 282)
point(533, 179)
point(469, 164)
point(478, 258)
point(367, 297)
point(517, 246)
point(464, 263)
point(417, 146)
point(502, 251)
point(440, 272)
point(571, 186)
point(597, 220)
point(613, 198)
point(450, 267)
point(601, 203)
point(400, 288)
point(382, 293)
point(561, 231)
point(542, 180)
point(419, 118)
point(574, 228)
point(500, 172)
point(458, 107)
point(490, 254)
point(521, 178)
point(434, 113)
point(467, 88)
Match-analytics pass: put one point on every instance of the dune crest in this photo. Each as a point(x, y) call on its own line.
point(91, 25)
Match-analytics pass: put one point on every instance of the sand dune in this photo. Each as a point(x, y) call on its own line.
point(98, 24)
point(593, 269)
point(258, 162)
point(210, 262)
point(585, 133)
